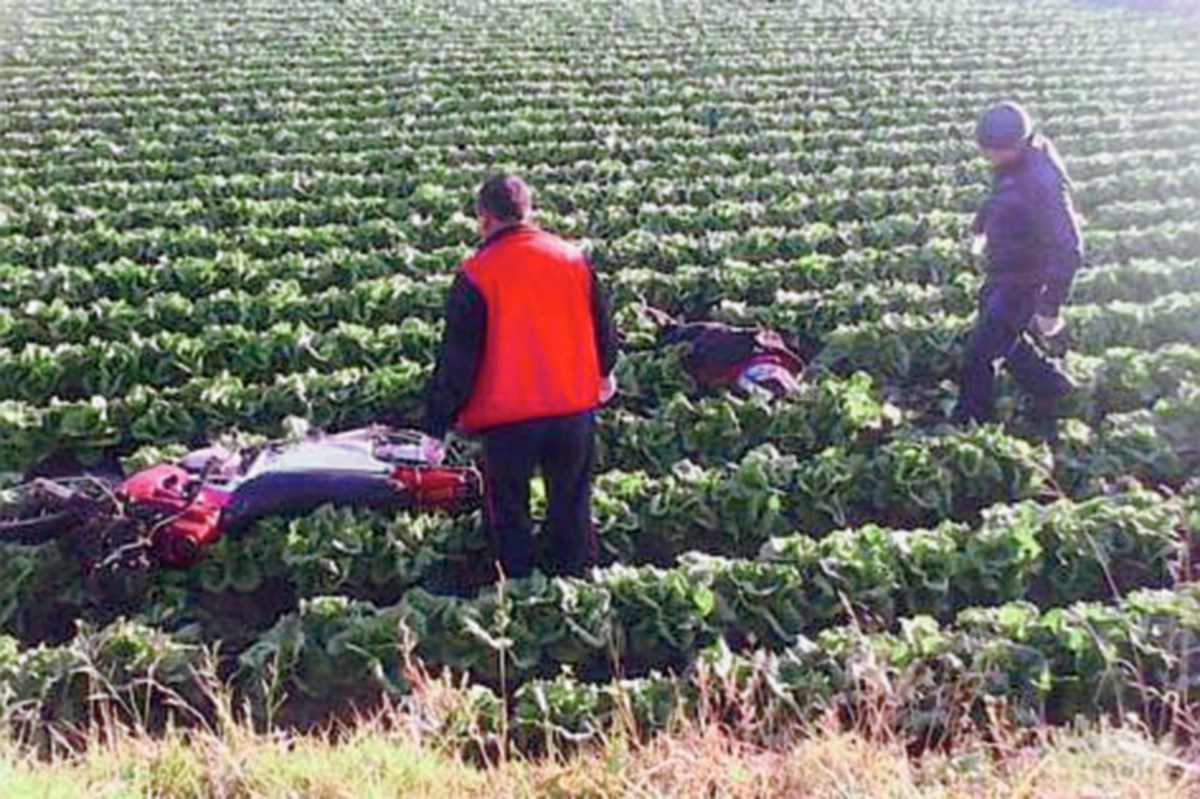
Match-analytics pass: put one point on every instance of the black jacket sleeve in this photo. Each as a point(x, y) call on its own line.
point(606, 337)
point(462, 347)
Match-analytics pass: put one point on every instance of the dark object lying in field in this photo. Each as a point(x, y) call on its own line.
point(724, 356)
point(167, 514)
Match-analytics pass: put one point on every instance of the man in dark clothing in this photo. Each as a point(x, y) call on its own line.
point(1033, 248)
point(527, 358)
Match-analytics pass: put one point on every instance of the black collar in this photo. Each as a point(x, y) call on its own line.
point(503, 232)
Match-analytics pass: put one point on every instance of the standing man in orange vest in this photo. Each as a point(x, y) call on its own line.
point(527, 358)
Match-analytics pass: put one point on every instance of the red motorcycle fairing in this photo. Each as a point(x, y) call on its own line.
point(211, 493)
point(169, 513)
point(191, 510)
point(438, 488)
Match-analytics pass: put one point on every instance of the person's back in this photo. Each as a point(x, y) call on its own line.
point(1046, 190)
point(540, 359)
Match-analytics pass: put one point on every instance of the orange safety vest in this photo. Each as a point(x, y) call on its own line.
point(539, 357)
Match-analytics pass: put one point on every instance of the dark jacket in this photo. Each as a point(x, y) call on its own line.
point(1032, 230)
point(717, 353)
point(462, 353)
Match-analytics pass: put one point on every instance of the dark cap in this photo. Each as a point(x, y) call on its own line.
point(1003, 127)
point(505, 198)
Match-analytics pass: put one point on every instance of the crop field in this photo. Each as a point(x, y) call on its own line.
point(218, 217)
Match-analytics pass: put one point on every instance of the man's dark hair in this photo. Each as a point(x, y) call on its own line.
point(505, 198)
point(1003, 127)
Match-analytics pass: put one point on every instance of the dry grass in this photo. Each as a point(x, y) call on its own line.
point(707, 762)
point(380, 758)
point(430, 747)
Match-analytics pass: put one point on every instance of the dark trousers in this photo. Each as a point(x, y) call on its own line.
point(564, 449)
point(1004, 315)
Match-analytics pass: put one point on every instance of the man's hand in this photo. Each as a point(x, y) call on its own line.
point(433, 450)
point(608, 388)
point(1048, 326)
